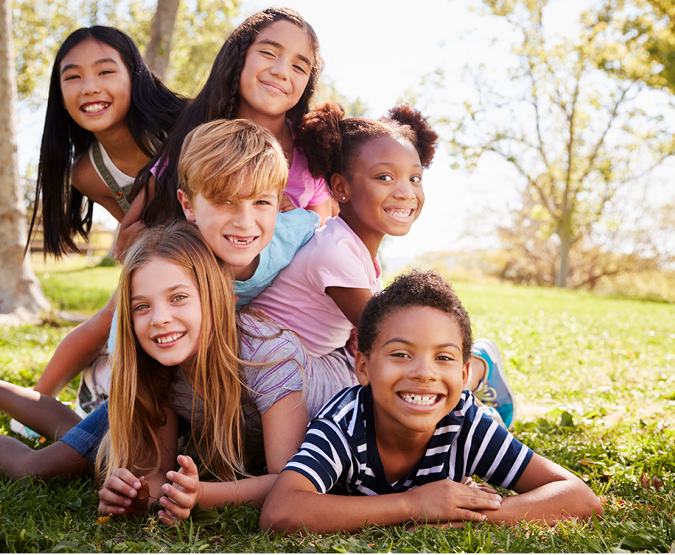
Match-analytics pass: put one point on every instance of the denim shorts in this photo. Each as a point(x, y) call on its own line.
point(88, 434)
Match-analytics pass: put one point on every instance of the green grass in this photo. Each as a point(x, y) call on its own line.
point(595, 383)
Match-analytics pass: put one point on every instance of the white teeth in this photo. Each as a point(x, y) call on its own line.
point(169, 338)
point(399, 213)
point(238, 241)
point(95, 107)
point(419, 399)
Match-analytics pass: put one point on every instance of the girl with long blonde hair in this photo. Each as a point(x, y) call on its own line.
point(178, 357)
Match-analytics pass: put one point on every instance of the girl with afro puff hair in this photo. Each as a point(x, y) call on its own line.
point(374, 169)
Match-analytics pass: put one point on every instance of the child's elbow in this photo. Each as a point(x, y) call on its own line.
point(588, 504)
point(277, 519)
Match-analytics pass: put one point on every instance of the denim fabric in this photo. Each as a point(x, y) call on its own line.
point(88, 434)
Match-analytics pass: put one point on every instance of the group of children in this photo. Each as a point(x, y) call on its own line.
point(233, 326)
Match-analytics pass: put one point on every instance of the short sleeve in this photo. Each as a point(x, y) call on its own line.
point(324, 456)
point(321, 193)
point(340, 263)
point(493, 453)
point(282, 358)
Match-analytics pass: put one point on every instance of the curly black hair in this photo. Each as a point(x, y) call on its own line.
point(425, 289)
point(331, 143)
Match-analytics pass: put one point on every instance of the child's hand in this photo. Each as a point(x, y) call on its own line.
point(182, 494)
point(286, 205)
point(448, 501)
point(480, 486)
point(119, 494)
point(123, 238)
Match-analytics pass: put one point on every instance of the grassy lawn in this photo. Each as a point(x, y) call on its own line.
point(595, 383)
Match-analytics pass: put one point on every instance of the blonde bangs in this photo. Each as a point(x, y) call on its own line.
point(222, 157)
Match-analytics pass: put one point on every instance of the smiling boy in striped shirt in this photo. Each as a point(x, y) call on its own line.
point(403, 445)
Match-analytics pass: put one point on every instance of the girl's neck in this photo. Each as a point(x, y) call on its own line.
point(276, 125)
point(120, 145)
point(371, 239)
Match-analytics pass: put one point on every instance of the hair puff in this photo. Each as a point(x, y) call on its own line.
point(425, 137)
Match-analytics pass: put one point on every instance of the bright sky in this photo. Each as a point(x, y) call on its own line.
point(379, 49)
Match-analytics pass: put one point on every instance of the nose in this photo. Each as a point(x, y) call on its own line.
point(422, 371)
point(161, 315)
point(280, 68)
point(405, 190)
point(90, 85)
point(243, 217)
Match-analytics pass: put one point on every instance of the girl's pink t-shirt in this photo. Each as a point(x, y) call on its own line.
point(303, 189)
point(334, 257)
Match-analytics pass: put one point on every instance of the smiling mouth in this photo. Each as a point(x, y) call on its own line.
point(399, 212)
point(95, 107)
point(243, 241)
point(169, 338)
point(274, 87)
point(417, 399)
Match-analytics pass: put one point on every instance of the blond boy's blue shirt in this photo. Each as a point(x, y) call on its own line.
point(292, 230)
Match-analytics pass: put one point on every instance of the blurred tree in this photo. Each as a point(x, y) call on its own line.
point(355, 108)
point(639, 37)
point(40, 26)
point(20, 292)
point(576, 138)
point(159, 48)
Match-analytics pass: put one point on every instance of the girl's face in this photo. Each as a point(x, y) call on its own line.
point(166, 313)
point(384, 194)
point(276, 71)
point(96, 86)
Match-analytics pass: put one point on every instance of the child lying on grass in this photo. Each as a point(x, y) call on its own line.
point(403, 446)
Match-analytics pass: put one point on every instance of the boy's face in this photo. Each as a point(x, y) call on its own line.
point(415, 370)
point(238, 230)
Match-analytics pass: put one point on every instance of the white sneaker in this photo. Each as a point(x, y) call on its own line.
point(94, 385)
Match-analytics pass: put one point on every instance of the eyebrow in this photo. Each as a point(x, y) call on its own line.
point(96, 63)
point(280, 46)
point(392, 164)
point(167, 290)
point(406, 342)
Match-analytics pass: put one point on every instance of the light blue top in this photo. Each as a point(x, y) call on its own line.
point(292, 230)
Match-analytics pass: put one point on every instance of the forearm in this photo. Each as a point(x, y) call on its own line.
point(326, 513)
point(77, 351)
point(216, 494)
point(548, 503)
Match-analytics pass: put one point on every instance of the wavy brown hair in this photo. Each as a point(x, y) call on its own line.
point(140, 386)
point(219, 99)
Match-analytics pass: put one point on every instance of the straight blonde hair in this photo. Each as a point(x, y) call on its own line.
point(140, 386)
point(220, 157)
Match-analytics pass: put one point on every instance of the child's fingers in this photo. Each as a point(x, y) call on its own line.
point(175, 509)
point(179, 496)
point(114, 499)
point(114, 483)
point(168, 518)
point(123, 475)
point(187, 465)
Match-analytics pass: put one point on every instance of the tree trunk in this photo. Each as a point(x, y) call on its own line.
point(20, 294)
point(159, 49)
point(563, 269)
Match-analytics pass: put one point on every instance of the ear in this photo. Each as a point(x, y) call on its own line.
point(465, 371)
point(340, 187)
point(361, 368)
point(189, 212)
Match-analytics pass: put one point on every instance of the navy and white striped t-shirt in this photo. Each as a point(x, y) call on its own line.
point(340, 455)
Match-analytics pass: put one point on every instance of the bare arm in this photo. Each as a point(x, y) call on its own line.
point(131, 222)
point(85, 179)
point(284, 426)
point(548, 493)
point(77, 351)
point(294, 504)
point(350, 301)
point(322, 210)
